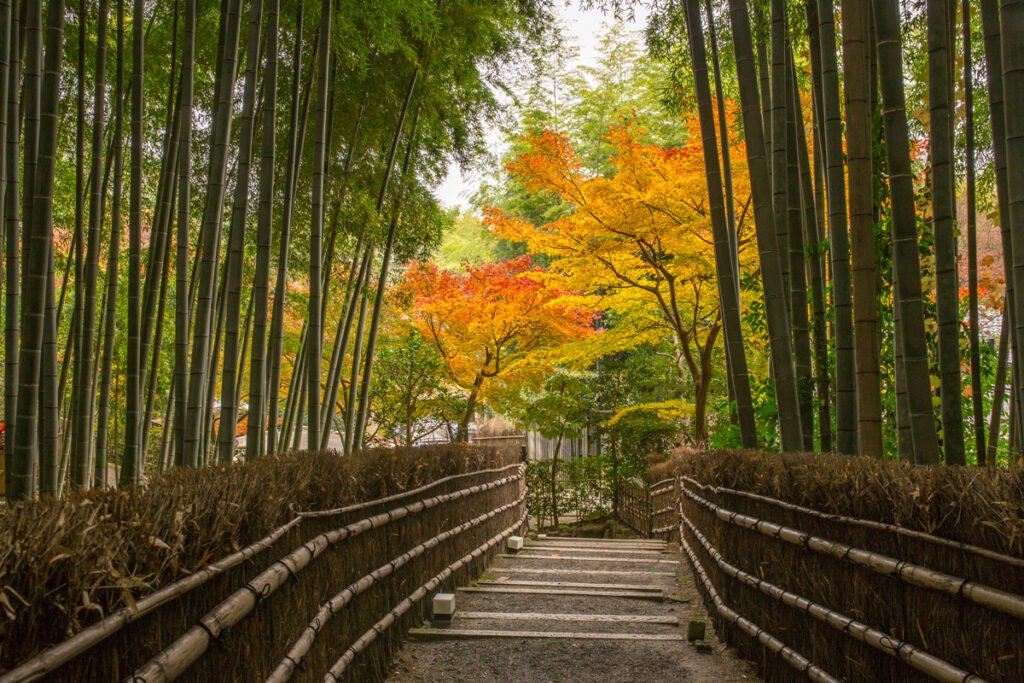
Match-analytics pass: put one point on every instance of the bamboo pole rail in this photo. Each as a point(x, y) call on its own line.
point(924, 662)
point(51, 659)
point(866, 523)
point(916, 575)
point(302, 646)
point(182, 653)
point(401, 608)
point(767, 640)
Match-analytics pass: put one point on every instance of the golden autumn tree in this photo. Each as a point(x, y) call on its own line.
point(490, 321)
point(638, 243)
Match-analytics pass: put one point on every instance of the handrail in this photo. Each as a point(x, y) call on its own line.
point(867, 523)
point(301, 646)
point(789, 655)
point(183, 652)
point(401, 608)
point(921, 660)
point(916, 575)
point(60, 654)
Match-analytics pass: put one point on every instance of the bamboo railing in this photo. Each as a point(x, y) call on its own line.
point(839, 611)
point(416, 538)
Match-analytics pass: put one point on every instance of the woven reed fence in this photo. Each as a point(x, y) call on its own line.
point(812, 594)
point(329, 590)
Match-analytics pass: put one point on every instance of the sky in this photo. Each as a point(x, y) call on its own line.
point(582, 28)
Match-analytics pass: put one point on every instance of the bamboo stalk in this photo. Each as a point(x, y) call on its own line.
point(175, 659)
point(913, 574)
point(401, 608)
point(924, 662)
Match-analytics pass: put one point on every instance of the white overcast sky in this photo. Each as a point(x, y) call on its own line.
point(584, 29)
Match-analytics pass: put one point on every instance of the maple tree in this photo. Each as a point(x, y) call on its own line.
point(638, 243)
point(499, 319)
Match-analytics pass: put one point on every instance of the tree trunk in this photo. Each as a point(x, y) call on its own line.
point(236, 239)
point(797, 259)
point(385, 266)
point(213, 212)
point(774, 293)
point(977, 409)
point(314, 336)
point(780, 190)
point(295, 143)
point(998, 394)
point(39, 239)
point(944, 230)
point(725, 256)
point(12, 251)
point(463, 432)
point(255, 439)
point(906, 263)
point(131, 462)
point(181, 304)
point(113, 264)
point(1012, 28)
point(856, 75)
point(839, 243)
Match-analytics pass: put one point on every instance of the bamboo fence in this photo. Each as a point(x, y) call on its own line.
point(279, 581)
point(811, 594)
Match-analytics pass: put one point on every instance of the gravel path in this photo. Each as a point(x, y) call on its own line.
point(572, 660)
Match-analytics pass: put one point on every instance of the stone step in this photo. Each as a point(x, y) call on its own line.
point(502, 581)
point(525, 590)
point(452, 633)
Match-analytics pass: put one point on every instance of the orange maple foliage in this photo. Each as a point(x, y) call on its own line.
point(638, 243)
point(490, 320)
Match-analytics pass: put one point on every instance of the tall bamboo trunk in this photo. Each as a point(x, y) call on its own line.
point(906, 263)
point(779, 177)
point(977, 409)
point(725, 256)
point(210, 235)
point(295, 138)
point(997, 118)
point(856, 76)
point(385, 266)
point(357, 354)
point(12, 251)
point(82, 388)
point(38, 247)
point(236, 239)
point(314, 336)
point(998, 395)
point(255, 440)
point(944, 230)
point(1012, 30)
point(113, 266)
point(774, 292)
point(181, 304)
point(797, 259)
point(131, 462)
point(839, 241)
point(723, 140)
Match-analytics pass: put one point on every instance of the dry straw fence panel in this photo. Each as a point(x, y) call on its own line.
point(326, 584)
point(810, 571)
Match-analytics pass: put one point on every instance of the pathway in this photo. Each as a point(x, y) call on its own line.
point(568, 610)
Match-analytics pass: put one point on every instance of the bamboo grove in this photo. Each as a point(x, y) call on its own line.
point(833, 181)
point(180, 175)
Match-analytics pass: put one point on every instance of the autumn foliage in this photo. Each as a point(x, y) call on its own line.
point(492, 320)
point(638, 243)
